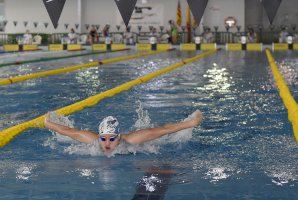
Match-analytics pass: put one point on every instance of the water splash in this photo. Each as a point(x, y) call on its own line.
point(216, 174)
point(24, 171)
point(92, 149)
point(154, 147)
point(61, 120)
point(150, 182)
point(183, 135)
point(143, 120)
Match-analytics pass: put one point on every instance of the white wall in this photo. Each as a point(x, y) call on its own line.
point(218, 10)
point(105, 11)
point(99, 12)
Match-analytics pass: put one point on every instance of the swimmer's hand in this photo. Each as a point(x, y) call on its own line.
point(43, 123)
point(196, 118)
point(47, 119)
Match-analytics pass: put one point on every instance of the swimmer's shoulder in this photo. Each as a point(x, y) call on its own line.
point(124, 138)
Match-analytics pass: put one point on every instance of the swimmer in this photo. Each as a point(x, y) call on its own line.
point(109, 138)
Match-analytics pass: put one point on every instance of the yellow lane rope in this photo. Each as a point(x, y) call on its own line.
point(22, 78)
point(285, 94)
point(8, 134)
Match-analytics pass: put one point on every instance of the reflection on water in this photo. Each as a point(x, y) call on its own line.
point(219, 81)
point(278, 158)
point(89, 79)
point(289, 71)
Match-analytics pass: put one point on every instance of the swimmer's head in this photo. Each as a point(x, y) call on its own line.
point(108, 134)
point(108, 126)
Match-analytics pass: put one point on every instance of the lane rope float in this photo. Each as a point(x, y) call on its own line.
point(8, 134)
point(16, 79)
point(285, 94)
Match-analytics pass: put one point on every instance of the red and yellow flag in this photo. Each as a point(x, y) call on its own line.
point(188, 24)
point(179, 14)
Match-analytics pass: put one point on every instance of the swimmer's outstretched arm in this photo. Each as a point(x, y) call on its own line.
point(81, 136)
point(145, 135)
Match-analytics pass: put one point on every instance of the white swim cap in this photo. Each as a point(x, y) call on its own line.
point(108, 126)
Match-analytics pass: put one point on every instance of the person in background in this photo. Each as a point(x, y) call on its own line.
point(283, 35)
point(106, 31)
point(72, 37)
point(208, 36)
point(251, 36)
point(173, 32)
point(153, 32)
point(196, 31)
point(93, 36)
point(154, 36)
point(128, 37)
point(27, 38)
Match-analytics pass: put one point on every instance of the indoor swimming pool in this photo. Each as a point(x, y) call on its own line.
point(244, 148)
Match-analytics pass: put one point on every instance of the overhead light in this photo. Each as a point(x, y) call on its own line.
point(144, 1)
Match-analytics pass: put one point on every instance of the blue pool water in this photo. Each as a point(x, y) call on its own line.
point(244, 148)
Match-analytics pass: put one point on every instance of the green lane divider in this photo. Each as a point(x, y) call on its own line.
point(57, 58)
point(16, 79)
point(8, 134)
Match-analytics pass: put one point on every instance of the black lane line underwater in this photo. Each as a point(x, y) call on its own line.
point(163, 176)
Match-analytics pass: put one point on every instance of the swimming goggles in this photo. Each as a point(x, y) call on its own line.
point(112, 139)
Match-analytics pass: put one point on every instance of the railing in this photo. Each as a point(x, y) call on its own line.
point(266, 37)
point(13, 38)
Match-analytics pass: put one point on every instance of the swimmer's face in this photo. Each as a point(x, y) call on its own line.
point(109, 142)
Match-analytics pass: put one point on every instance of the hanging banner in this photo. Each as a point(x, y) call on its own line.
point(149, 14)
point(54, 8)
point(197, 8)
point(179, 14)
point(271, 7)
point(126, 8)
point(188, 24)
